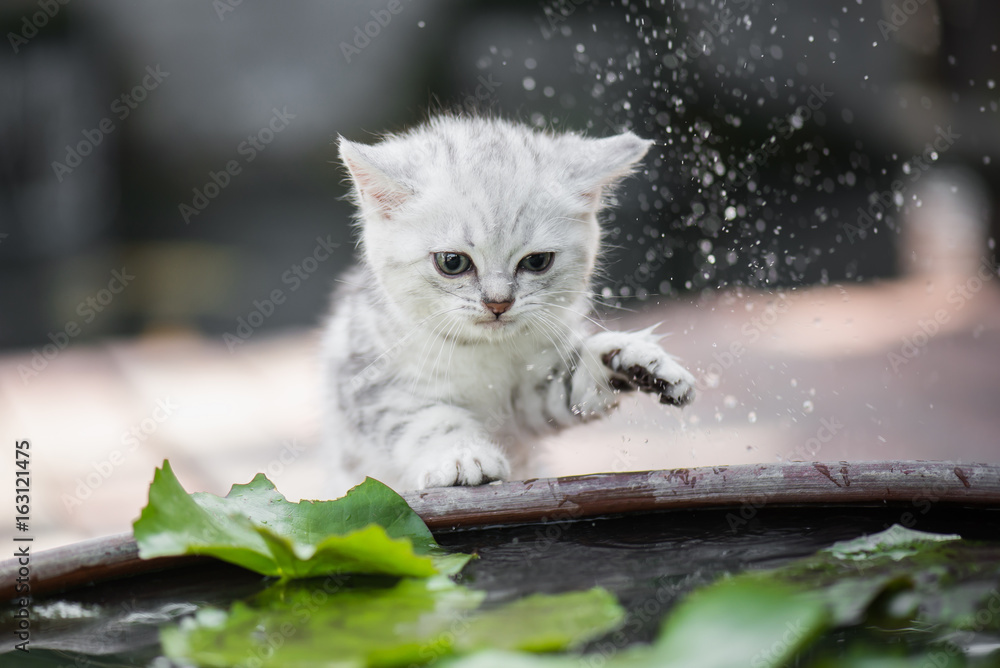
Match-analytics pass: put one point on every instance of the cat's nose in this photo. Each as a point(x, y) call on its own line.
point(498, 308)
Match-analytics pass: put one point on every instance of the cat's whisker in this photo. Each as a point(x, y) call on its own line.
point(432, 338)
point(448, 366)
point(596, 297)
point(399, 342)
point(589, 293)
point(414, 400)
point(540, 327)
point(565, 356)
point(602, 381)
point(432, 341)
point(582, 315)
point(580, 363)
point(445, 340)
point(439, 370)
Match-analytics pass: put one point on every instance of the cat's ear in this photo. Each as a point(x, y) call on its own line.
point(600, 164)
point(377, 188)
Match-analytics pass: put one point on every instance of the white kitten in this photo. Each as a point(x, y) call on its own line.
point(461, 339)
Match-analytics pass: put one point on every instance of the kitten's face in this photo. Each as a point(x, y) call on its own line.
point(471, 278)
point(485, 231)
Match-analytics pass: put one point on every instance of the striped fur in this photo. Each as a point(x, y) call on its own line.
point(427, 387)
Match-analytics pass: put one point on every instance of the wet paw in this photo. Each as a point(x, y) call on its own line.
point(643, 365)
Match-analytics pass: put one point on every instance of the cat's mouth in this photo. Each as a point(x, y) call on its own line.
point(495, 323)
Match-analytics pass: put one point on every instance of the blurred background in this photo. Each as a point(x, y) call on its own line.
point(815, 227)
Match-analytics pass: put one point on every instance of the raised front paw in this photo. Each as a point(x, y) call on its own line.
point(642, 364)
point(461, 465)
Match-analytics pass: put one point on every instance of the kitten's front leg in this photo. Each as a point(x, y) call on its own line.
point(444, 445)
point(634, 360)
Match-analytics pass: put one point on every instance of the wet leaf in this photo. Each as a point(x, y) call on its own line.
point(410, 622)
point(919, 588)
point(542, 623)
point(909, 576)
point(370, 530)
point(734, 622)
point(737, 621)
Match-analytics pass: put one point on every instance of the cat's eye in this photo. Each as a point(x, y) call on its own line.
point(536, 262)
point(452, 264)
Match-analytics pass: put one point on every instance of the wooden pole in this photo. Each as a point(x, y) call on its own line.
point(578, 497)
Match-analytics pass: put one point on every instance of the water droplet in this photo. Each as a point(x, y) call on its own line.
point(729, 401)
point(752, 417)
point(807, 406)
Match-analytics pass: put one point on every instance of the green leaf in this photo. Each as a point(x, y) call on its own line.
point(874, 575)
point(370, 530)
point(542, 623)
point(734, 622)
point(896, 542)
point(507, 659)
point(303, 625)
point(740, 620)
point(907, 582)
point(412, 622)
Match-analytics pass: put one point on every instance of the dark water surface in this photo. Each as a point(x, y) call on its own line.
point(648, 561)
